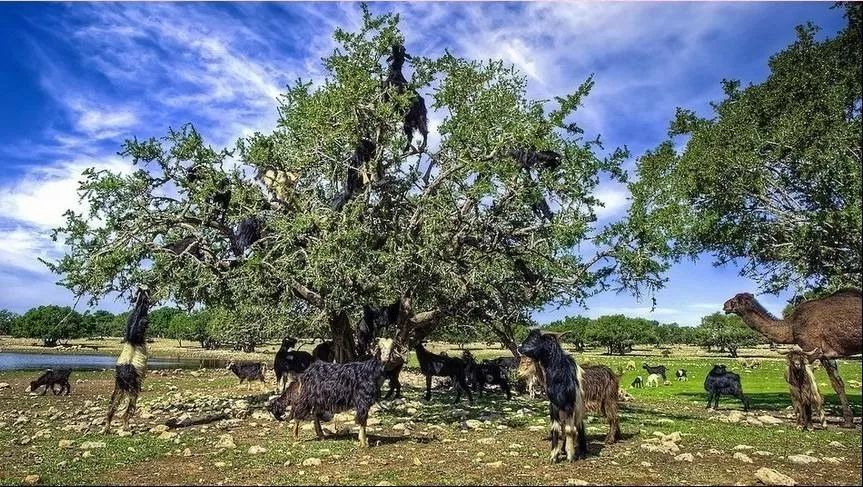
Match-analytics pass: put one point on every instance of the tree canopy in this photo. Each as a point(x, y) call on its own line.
point(773, 178)
point(50, 324)
point(473, 231)
point(726, 333)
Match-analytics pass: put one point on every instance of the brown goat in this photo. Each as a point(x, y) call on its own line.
point(600, 387)
point(532, 373)
point(804, 390)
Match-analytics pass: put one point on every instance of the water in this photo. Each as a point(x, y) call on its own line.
point(39, 361)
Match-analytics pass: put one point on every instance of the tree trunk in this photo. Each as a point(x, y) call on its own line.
point(343, 338)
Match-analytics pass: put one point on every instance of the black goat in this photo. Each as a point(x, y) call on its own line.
point(563, 386)
point(248, 371)
point(326, 388)
point(52, 377)
point(433, 365)
point(720, 382)
point(374, 320)
point(416, 117)
point(289, 364)
point(248, 232)
point(530, 159)
point(391, 373)
point(132, 363)
point(486, 372)
point(357, 172)
point(658, 369)
point(281, 362)
point(324, 351)
point(681, 375)
point(638, 383)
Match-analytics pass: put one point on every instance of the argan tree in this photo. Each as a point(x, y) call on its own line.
point(479, 228)
point(772, 179)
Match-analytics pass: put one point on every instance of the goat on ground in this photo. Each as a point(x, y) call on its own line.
point(433, 365)
point(658, 369)
point(805, 397)
point(720, 382)
point(50, 378)
point(681, 375)
point(248, 371)
point(600, 388)
point(564, 390)
point(487, 372)
point(531, 371)
point(324, 351)
point(653, 380)
point(132, 363)
point(638, 383)
point(630, 365)
point(327, 388)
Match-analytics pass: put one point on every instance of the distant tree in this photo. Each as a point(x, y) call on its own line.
point(772, 178)
point(575, 328)
point(618, 333)
point(160, 321)
point(6, 319)
point(49, 324)
point(726, 332)
point(99, 323)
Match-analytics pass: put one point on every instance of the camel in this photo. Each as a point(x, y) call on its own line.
point(828, 328)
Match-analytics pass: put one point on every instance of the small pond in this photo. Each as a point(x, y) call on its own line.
point(38, 361)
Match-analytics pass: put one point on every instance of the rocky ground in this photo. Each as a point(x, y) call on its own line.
point(668, 439)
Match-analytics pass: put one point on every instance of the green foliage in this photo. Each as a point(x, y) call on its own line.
point(575, 328)
point(100, 323)
point(6, 319)
point(160, 321)
point(619, 333)
point(49, 324)
point(773, 179)
point(726, 332)
point(455, 229)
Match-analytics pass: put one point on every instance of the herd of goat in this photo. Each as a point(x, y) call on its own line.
point(314, 388)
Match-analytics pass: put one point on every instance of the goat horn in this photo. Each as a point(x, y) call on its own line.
point(812, 352)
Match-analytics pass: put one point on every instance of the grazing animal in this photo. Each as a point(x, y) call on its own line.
point(720, 382)
point(653, 380)
point(391, 373)
point(132, 363)
point(804, 390)
point(487, 372)
point(832, 325)
point(281, 361)
point(289, 363)
point(600, 387)
point(565, 395)
point(326, 388)
point(50, 378)
point(638, 383)
point(630, 365)
point(532, 372)
point(433, 365)
point(658, 369)
point(324, 351)
point(248, 371)
point(681, 375)
point(416, 117)
point(279, 406)
point(374, 320)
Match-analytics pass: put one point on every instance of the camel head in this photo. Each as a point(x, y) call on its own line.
point(738, 303)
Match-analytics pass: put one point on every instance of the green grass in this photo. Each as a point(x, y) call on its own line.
point(437, 450)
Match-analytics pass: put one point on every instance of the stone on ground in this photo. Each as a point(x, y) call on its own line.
point(768, 476)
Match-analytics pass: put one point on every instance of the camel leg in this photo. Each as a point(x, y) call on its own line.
point(830, 367)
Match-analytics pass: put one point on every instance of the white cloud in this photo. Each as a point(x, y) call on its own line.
point(614, 197)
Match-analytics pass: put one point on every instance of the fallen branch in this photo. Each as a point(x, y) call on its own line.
point(184, 422)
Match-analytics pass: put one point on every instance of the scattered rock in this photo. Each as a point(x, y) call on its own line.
point(802, 459)
point(89, 445)
point(762, 453)
point(742, 457)
point(312, 462)
point(535, 428)
point(168, 435)
point(219, 464)
point(472, 424)
point(417, 462)
point(831, 459)
point(86, 454)
point(21, 420)
point(65, 443)
point(226, 441)
point(575, 482)
point(660, 447)
point(384, 483)
point(486, 441)
point(684, 457)
point(160, 428)
point(836, 444)
point(646, 464)
point(767, 419)
point(187, 452)
point(768, 476)
point(4, 385)
point(256, 449)
point(31, 479)
point(742, 447)
point(496, 464)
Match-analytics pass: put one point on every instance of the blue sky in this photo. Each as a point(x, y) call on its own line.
point(78, 78)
